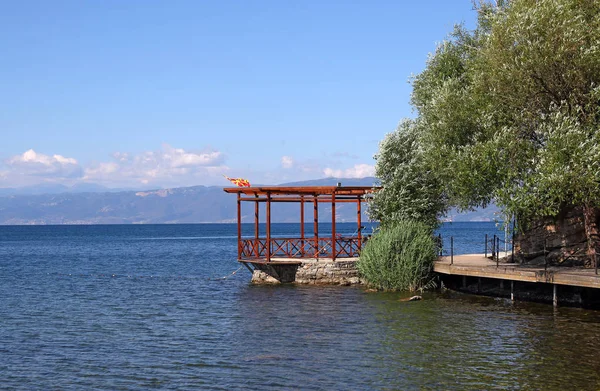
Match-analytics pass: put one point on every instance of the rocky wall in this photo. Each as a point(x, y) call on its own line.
point(558, 241)
point(321, 272)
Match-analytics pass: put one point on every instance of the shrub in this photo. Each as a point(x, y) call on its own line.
point(399, 257)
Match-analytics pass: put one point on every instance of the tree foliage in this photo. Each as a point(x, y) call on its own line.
point(507, 113)
point(410, 189)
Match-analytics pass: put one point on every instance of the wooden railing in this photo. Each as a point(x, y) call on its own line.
point(345, 247)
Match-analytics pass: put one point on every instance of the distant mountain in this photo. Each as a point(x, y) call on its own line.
point(196, 204)
point(491, 213)
point(4, 191)
point(44, 188)
point(54, 188)
point(89, 188)
point(367, 181)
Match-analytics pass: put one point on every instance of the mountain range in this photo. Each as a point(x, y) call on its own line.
point(94, 204)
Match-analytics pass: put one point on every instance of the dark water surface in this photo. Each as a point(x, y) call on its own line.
point(143, 307)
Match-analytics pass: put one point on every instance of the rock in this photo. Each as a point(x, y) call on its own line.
point(414, 298)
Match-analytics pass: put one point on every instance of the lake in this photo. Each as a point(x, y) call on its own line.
point(168, 307)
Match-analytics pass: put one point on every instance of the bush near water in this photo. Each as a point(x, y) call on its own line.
point(399, 257)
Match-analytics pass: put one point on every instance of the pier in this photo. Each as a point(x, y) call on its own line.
point(476, 273)
point(476, 265)
point(317, 258)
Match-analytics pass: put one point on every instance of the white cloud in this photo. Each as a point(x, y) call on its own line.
point(177, 157)
point(102, 169)
point(38, 164)
point(287, 162)
point(165, 167)
point(358, 171)
point(121, 156)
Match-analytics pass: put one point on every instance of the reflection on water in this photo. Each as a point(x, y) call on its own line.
point(343, 338)
point(96, 308)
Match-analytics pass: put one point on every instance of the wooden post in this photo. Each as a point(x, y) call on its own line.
point(545, 256)
point(478, 284)
point(497, 256)
point(497, 250)
point(302, 226)
point(464, 282)
point(268, 226)
point(512, 290)
point(512, 245)
point(333, 233)
point(239, 224)
point(256, 227)
point(554, 295)
point(451, 250)
point(359, 222)
point(316, 225)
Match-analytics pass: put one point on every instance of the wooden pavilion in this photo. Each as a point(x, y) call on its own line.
point(273, 250)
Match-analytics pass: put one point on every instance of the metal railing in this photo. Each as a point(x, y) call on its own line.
point(491, 247)
point(492, 250)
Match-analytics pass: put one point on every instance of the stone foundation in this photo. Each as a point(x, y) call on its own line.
point(317, 272)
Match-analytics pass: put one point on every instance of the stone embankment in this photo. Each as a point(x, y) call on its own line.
point(559, 241)
point(316, 272)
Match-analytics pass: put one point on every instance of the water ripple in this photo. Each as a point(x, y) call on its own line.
point(79, 311)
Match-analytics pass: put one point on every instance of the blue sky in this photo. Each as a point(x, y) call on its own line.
point(141, 93)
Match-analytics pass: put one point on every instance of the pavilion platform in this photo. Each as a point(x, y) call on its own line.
point(306, 258)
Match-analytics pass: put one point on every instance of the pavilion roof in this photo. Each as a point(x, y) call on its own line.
point(303, 190)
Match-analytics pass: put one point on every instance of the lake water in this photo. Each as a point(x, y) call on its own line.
point(146, 307)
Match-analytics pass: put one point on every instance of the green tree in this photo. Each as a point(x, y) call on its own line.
point(538, 72)
point(410, 189)
point(509, 112)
